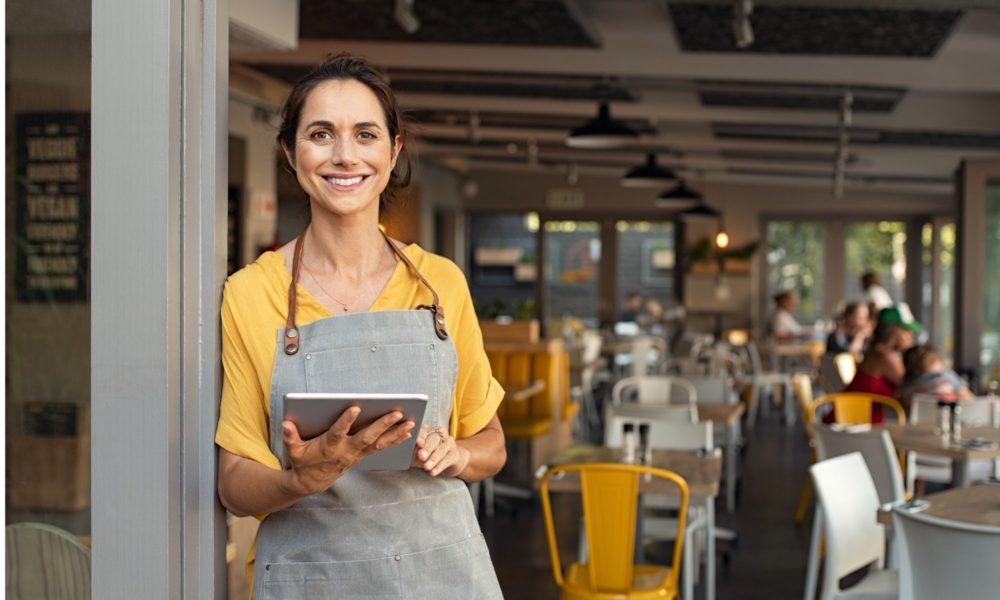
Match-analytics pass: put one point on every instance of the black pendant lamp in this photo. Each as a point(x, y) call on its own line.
point(649, 174)
point(601, 132)
point(699, 212)
point(679, 195)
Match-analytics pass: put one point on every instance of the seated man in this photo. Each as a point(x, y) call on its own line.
point(853, 330)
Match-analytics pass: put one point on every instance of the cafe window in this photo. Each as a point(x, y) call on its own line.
point(795, 261)
point(48, 268)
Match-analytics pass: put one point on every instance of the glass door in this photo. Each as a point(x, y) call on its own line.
point(572, 261)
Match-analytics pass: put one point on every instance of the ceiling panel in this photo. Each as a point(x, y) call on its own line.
point(815, 30)
point(511, 22)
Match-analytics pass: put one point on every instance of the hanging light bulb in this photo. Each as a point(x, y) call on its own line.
point(722, 238)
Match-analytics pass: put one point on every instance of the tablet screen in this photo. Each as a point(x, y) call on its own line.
point(314, 413)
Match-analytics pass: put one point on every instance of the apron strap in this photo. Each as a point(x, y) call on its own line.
point(437, 311)
point(291, 341)
point(291, 330)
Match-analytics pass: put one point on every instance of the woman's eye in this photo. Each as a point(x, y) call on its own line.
point(320, 135)
point(367, 135)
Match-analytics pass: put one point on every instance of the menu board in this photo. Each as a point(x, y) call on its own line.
point(53, 206)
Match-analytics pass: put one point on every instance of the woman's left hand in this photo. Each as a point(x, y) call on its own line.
point(438, 453)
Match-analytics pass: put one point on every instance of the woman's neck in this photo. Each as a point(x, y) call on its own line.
point(350, 246)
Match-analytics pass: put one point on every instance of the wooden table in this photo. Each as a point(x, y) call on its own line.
point(922, 438)
point(702, 473)
point(728, 416)
point(977, 504)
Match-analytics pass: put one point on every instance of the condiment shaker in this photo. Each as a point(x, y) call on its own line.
point(944, 417)
point(645, 448)
point(628, 443)
point(956, 421)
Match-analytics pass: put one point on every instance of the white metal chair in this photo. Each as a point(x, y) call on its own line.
point(761, 381)
point(46, 562)
point(937, 469)
point(654, 389)
point(676, 435)
point(878, 451)
point(880, 456)
point(848, 502)
point(685, 413)
point(644, 351)
point(942, 558)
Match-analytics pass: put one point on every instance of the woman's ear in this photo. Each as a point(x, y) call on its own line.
point(397, 147)
point(289, 156)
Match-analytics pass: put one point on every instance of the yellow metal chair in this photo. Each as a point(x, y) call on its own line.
point(854, 408)
point(610, 492)
point(803, 391)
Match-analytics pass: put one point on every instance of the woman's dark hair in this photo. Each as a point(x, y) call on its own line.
point(346, 66)
point(885, 333)
point(915, 360)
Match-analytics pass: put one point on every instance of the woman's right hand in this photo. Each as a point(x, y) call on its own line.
point(318, 462)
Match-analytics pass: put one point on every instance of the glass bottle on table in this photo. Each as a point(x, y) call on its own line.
point(629, 443)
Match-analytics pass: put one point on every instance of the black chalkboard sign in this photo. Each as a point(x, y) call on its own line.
point(53, 207)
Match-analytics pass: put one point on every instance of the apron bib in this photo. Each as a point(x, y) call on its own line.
point(372, 534)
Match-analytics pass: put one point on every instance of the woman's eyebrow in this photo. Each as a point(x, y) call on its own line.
point(358, 125)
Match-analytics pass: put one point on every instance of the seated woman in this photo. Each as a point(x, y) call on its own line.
point(782, 325)
point(853, 330)
point(881, 371)
point(927, 373)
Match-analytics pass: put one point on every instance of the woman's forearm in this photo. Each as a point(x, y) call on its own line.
point(487, 452)
point(248, 488)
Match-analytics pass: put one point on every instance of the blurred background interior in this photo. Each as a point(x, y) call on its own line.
point(628, 186)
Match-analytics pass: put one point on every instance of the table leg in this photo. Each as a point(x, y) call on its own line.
point(710, 549)
point(730, 468)
point(959, 473)
point(786, 391)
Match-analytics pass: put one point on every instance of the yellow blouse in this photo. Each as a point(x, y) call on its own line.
point(255, 305)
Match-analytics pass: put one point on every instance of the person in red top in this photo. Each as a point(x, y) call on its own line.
point(881, 371)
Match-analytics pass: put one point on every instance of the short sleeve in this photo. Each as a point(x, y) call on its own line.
point(477, 393)
point(243, 419)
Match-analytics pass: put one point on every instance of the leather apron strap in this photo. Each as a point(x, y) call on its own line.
point(291, 341)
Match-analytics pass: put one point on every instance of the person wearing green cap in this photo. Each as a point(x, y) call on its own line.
point(901, 315)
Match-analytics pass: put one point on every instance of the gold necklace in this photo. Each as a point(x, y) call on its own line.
point(345, 305)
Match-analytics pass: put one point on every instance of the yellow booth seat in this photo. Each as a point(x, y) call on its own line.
point(537, 406)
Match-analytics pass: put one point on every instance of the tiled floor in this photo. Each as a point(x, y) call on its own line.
point(768, 561)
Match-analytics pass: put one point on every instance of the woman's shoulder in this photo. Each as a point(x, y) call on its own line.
point(264, 276)
point(434, 267)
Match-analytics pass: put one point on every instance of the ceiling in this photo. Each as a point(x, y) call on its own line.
point(496, 86)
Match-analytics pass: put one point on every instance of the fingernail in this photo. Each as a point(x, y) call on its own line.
point(429, 465)
point(423, 455)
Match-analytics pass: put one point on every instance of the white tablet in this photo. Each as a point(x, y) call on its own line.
point(314, 413)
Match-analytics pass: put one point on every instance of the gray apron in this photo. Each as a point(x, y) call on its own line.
point(372, 534)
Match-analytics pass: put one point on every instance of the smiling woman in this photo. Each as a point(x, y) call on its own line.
point(369, 317)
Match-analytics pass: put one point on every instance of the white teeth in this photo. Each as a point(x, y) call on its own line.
point(345, 182)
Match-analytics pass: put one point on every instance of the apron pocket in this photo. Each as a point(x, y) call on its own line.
point(360, 580)
point(461, 571)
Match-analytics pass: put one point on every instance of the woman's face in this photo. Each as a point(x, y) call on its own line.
point(343, 151)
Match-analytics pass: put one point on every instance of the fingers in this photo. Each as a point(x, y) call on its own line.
point(340, 428)
point(370, 434)
point(395, 435)
point(433, 438)
point(290, 434)
point(442, 458)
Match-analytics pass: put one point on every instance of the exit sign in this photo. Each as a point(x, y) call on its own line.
point(564, 199)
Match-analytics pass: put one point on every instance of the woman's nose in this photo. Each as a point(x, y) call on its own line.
point(344, 152)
